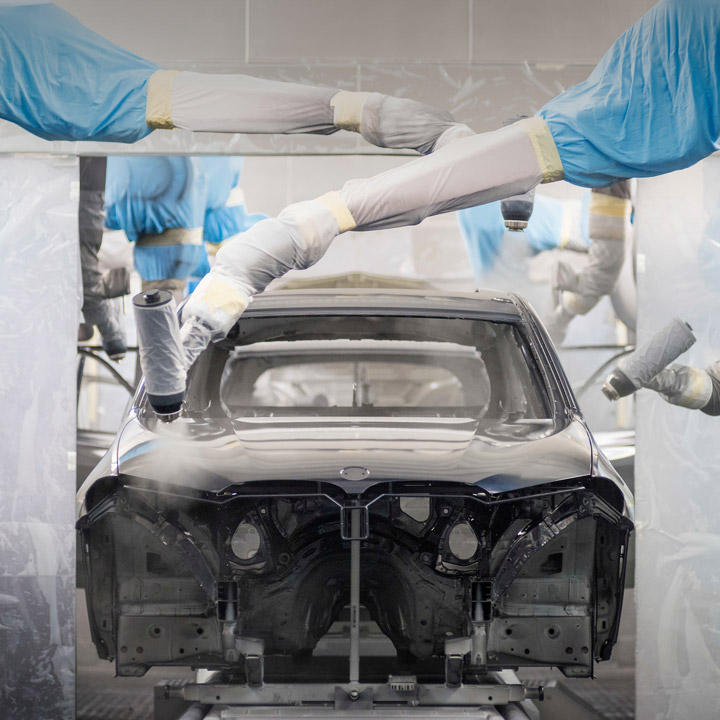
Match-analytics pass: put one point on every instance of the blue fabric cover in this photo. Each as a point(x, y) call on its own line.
point(225, 222)
point(222, 222)
point(148, 195)
point(651, 106)
point(483, 228)
point(61, 81)
point(160, 262)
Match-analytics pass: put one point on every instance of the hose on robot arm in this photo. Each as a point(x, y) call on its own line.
point(468, 171)
point(244, 104)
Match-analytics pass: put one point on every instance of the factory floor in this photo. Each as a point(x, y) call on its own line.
point(100, 696)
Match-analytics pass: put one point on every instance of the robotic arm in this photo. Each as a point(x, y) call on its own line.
point(597, 134)
point(61, 81)
point(577, 293)
point(649, 366)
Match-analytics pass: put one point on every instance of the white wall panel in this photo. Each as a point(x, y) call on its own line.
point(380, 30)
point(183, 34)
point(550, 31)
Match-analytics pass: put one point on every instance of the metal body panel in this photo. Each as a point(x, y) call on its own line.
point(213, 454)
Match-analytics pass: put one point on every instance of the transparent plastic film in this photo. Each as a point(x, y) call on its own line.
point(161, 352)
point(684, 386)
point(392, 122)
point(195, 336)
point(678, 455)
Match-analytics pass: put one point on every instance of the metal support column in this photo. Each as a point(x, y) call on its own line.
point(355, 534)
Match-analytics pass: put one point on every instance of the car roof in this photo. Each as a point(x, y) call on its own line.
point(489, 304)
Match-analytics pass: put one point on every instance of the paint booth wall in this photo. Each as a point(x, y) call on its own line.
point(484, 60)
point(678, 455)
point(38, 332)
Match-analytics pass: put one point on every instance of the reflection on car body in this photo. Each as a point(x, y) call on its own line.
point(438, 429)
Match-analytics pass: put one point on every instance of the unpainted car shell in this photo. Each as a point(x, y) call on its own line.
point(552, 465)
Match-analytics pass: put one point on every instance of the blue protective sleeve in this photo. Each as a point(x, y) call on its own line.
point(160, 262)
point(148, 195)
point(225, 222)
point(222, 222)
point(61, 81)
point(651, 106)
point(223, 175)
point(482, 228)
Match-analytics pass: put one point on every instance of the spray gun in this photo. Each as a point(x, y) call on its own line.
point(518, 209)
point(161, 352)
point(637, 370)
point(167, 350)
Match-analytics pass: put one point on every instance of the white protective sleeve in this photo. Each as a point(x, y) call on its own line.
point(469, 171)
point(578, 293)
point(684, 386)
point(245, 104)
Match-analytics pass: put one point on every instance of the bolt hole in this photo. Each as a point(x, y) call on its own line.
point(181, 651)
point(199, 631)
point(569, 651)
point(584, 649)
point(508, 631)
point(139, 650)
point(423, 623)
point(527, 651)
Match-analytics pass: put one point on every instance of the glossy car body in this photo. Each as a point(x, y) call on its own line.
point(491, 525)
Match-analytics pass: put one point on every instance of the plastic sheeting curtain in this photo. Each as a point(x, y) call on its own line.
point(39, 305)
point(678, 456)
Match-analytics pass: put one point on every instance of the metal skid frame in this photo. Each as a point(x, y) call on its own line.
point(401, 696)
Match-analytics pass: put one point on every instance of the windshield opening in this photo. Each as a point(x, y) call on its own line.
point(377, 366)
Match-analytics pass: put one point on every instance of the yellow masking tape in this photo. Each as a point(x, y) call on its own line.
point(220, 296)
point(347, 109)
point(578, 304)
point(173, 236)
point(609, 206)
point(213, 248)
point(236, 197)
point(698, 390)
point(545, 149)
point(158, 111)
point(340, 211)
